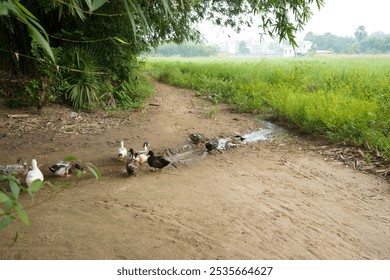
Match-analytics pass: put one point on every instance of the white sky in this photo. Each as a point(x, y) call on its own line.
point(339, 17)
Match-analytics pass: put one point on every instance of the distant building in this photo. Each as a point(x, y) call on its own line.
point(302, 49)
point(262, 48)
point(232, 46)
point(323, 52)
point(254, 47)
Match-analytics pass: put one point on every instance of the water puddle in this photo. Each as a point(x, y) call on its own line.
point(189, 152)
point(270, 133)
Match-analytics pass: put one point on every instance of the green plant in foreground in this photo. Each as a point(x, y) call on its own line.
point(11, 209)
point(92, 168)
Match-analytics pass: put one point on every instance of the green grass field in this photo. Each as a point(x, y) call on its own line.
point(345, 98)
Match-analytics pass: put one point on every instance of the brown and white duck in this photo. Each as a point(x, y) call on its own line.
point(197, 138)
point(132, 163)
point(142, 156)
point(20, 168)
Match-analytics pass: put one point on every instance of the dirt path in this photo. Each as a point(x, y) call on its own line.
point(260, 201)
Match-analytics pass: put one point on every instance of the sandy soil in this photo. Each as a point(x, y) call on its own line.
point(279, 200)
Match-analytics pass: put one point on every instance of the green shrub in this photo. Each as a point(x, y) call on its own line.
point(83, 73)
point(133, 93)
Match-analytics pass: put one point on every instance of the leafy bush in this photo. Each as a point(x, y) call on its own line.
point(83, 74)
point(11, 208)
point(130, 94)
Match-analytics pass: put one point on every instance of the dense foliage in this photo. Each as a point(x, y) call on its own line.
point(345, 99)
point(85, 35)
point(375, 43)
point(186, 50)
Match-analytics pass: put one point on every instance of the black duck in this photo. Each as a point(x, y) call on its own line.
point(212, 144)
point(157, 161)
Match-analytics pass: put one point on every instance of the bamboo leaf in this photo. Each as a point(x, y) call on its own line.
point(138, 10)
point(39, 27)
point(97, 4)
point(166, 7)
point(60, 11)
point(3, 9)
point(79, 11)
point(131, 17)
point(37, 36)
point(3, 177)
point(320, 3)
point(24, 10)
point(14, 10)
point(120, 40)
point(89, 3)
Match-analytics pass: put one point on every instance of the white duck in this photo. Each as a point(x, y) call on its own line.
point(34, 173)
point(122, 151)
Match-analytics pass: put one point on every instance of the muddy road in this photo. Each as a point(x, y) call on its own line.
point(266, 200)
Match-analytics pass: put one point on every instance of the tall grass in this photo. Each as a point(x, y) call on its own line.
point(347, 99)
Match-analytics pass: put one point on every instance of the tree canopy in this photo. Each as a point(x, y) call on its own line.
point(84, 35)
point(361, 33)
point(150, 22)
point(362, 42)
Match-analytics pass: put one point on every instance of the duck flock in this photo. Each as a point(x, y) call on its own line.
point(133, 160)
point(61, 168)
